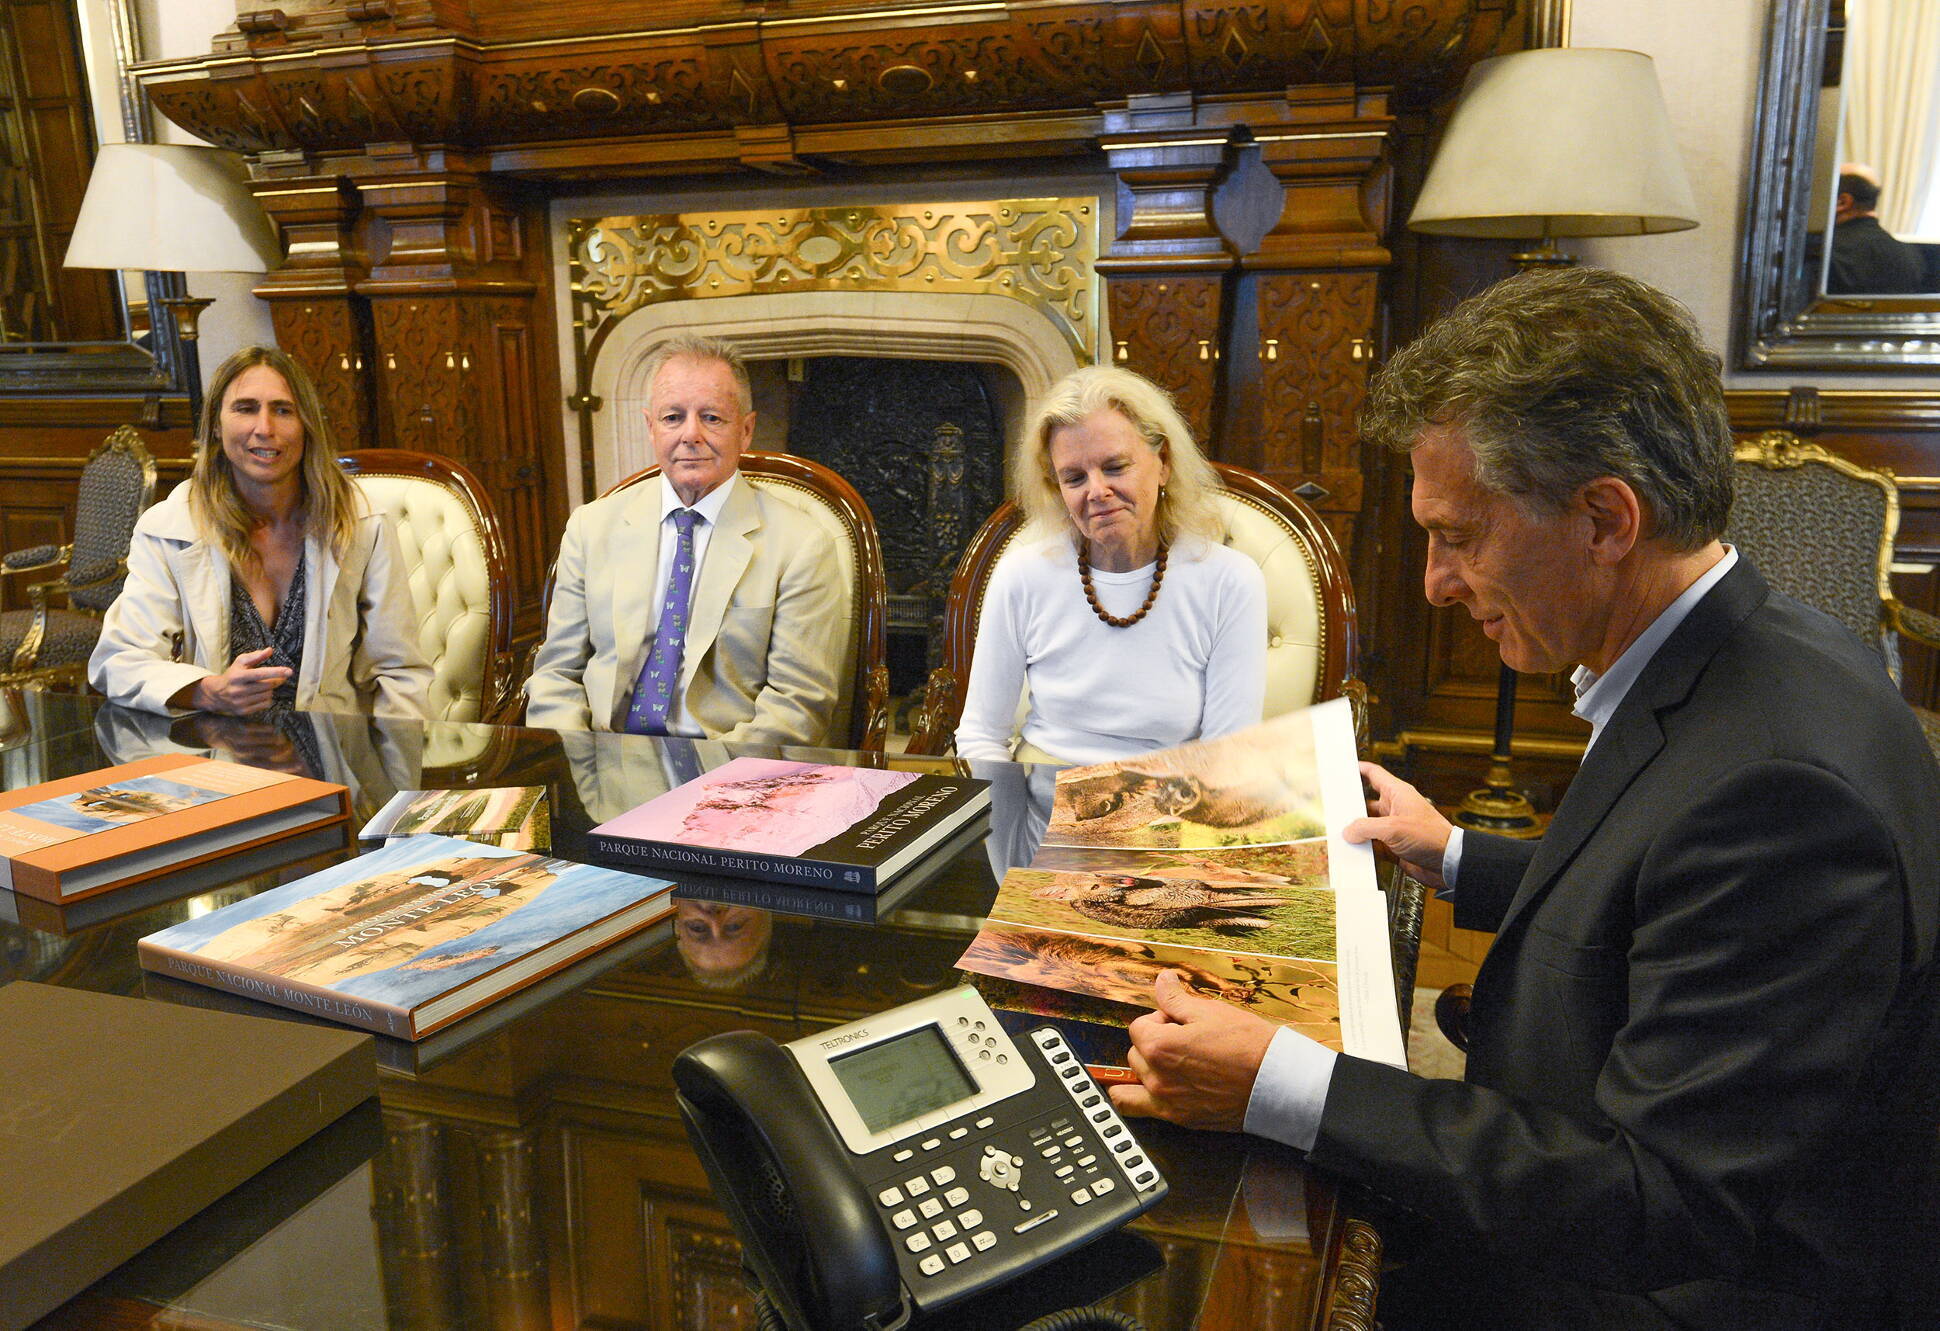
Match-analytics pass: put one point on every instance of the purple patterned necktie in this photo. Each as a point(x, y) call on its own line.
point(653, 692)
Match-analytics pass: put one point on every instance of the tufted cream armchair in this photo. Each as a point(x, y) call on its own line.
point(1310, 617)
point(455, 559)
point(862, 710)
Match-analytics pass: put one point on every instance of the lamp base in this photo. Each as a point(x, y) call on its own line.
point(1498, 808)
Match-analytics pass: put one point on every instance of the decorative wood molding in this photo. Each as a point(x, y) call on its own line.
point(543, 72)
point(1832, 409)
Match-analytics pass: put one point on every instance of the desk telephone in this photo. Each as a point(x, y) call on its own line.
point(895, 1165)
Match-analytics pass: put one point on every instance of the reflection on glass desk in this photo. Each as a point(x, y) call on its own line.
point(528, 1168)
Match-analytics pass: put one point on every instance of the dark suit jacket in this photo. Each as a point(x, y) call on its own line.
point(1701, 1068)
point(1867, 259)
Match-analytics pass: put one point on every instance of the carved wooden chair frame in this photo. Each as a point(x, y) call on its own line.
point(24, 667)
point(933, 725)
point(869, 688)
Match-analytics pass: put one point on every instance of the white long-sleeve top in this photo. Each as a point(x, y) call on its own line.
point(1193, 668)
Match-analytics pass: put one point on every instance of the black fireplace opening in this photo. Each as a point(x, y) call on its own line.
point(923, 442)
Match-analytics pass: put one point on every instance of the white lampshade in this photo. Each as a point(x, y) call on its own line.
point(171, 208)
point(1558, 142)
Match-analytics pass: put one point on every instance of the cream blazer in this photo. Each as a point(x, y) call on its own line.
point(766, 622)
point(170, 625)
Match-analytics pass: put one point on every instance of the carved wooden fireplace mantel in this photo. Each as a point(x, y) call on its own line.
point(409, 149)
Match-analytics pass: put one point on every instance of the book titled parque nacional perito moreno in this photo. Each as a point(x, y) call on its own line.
point(68, 839)
point(410, 937)
point(811, 824)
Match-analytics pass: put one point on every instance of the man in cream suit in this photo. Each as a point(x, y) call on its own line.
point(693, 604)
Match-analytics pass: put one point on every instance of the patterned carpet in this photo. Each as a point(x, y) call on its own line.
point(1429, 1054)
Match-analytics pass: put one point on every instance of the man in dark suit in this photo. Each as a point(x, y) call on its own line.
point(1701, 1083)
point(1867, 259)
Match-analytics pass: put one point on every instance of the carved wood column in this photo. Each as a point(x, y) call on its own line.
point(1316, 292)
point(458, 317)
point(319, 319)
point(1167, 274)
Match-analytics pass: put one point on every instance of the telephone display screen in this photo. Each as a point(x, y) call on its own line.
point(904, 1078)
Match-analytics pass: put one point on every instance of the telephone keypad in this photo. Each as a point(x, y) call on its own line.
point(956, 1212)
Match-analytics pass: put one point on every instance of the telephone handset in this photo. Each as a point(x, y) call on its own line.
point(906, 1161)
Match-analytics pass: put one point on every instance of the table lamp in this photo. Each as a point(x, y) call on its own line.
point(173, 208)
point(1545, 145)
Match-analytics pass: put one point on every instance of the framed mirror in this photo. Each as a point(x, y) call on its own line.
point(67, 332)
point(1786, 316)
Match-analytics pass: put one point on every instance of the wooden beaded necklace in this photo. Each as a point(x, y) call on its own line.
point(1091, 595)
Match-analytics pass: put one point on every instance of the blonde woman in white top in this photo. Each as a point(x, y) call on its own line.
point(1132, 625)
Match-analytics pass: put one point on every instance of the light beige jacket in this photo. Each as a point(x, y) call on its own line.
point(766, 621)
point(170, 625)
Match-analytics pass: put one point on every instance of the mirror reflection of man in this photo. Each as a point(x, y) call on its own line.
point(1704, 1067)
point(694, 604)
point(1867, 259)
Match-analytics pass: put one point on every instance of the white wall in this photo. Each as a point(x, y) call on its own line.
point(1708, 55)
point(171, 28)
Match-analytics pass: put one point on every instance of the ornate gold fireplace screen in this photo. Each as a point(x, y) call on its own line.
point(1038, 251)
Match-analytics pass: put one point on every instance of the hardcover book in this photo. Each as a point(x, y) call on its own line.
point(809, 824)
point(1222, 860)
point(411, 937)
point(64, 840)
point(511, 816)
point(121, 1118)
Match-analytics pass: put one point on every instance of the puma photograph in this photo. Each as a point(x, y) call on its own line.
point(1259, 787)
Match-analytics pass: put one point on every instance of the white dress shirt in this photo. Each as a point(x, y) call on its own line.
point(1290, 1091)
point(679, 720)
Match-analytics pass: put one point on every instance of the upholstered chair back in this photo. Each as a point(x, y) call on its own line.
point(1310, 617)
point(117, 483)
point(862, 706)
point(454, 559)
point(50, 643)
point(1820, 529)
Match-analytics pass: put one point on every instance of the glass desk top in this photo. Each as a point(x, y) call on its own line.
point(526, 1167)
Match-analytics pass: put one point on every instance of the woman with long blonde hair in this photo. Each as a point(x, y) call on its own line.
point(265, 581)
point(1134, 627)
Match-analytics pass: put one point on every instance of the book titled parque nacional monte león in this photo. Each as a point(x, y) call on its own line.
point(811, 824)
point(410, 937)
point(64, 840)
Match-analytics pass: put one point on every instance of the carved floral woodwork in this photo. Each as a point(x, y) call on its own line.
point(1167, 329)
point(549, 71)
point(1316, 354)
